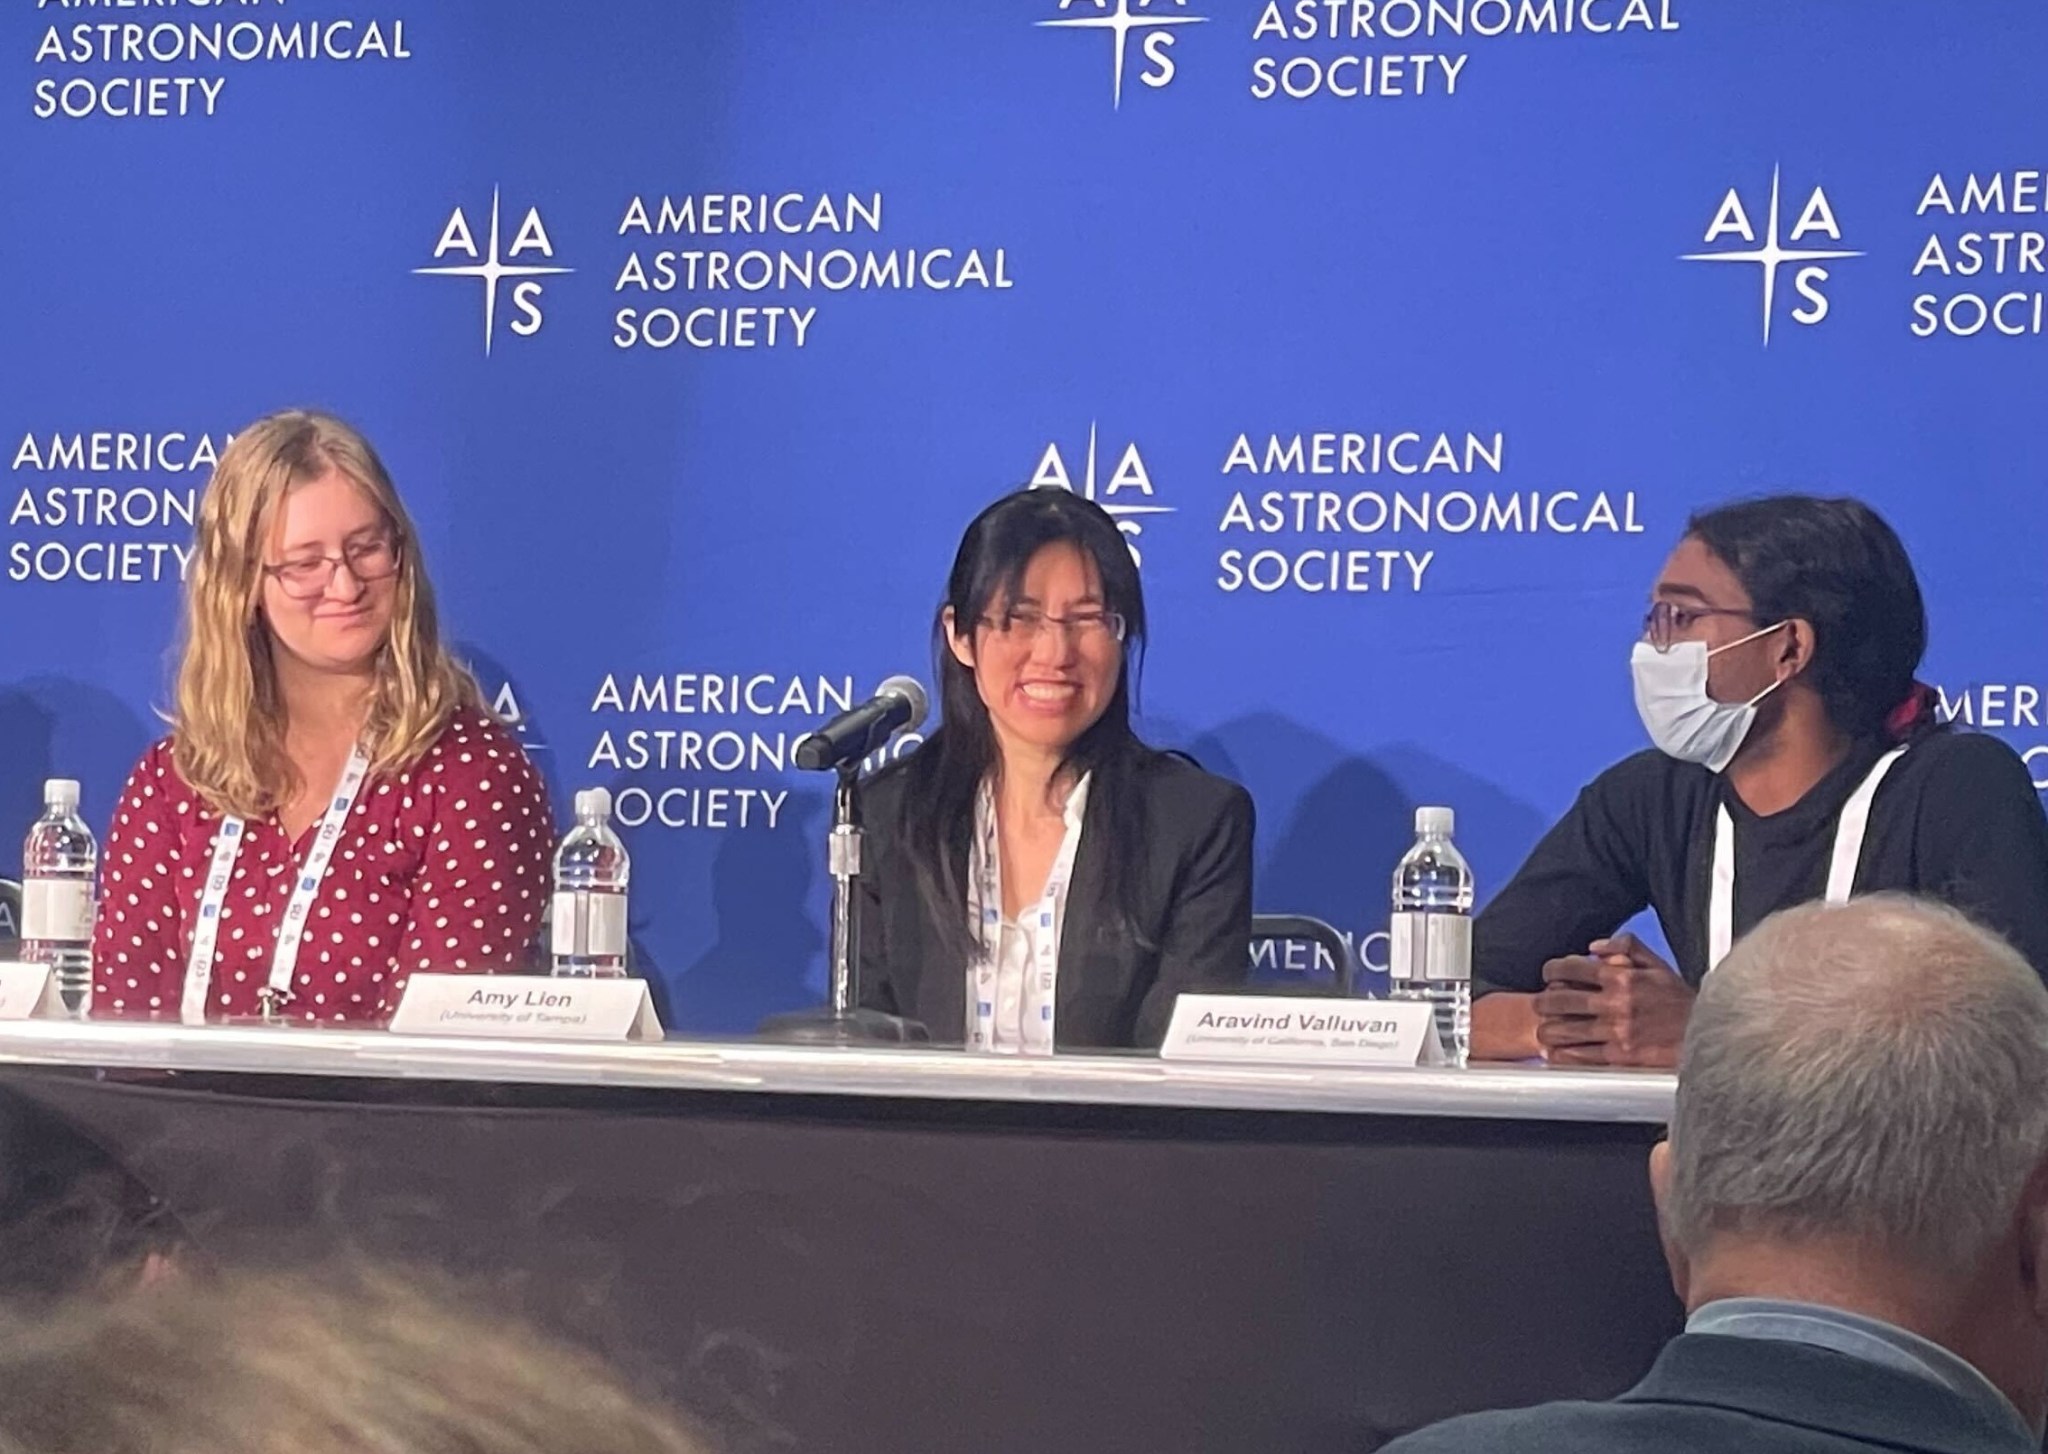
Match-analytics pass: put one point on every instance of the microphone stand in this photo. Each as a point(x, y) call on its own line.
point(841, 1021)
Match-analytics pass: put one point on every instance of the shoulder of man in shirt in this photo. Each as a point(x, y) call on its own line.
point(1652, 780)
point(1719, 1395)
point(1946, 754)
point(1650, 768)
point(1953, 763)
point(1963, 757)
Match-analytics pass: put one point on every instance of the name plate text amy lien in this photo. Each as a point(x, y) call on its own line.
point(527, 1007)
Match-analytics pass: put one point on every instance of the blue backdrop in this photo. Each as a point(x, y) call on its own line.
point(1403, 336)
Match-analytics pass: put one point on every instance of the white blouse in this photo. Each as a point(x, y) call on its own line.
point(1012, 988)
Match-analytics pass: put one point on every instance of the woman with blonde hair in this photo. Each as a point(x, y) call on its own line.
point(334, 810)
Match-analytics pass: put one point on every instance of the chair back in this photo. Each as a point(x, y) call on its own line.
point(1304, 929)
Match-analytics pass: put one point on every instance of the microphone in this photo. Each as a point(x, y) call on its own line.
point(899, 704)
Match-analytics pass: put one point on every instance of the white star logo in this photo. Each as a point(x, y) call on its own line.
point(1770, 255)
point(1120, 25)
point(491, 270)
point(1115, 511)
point(505, 707)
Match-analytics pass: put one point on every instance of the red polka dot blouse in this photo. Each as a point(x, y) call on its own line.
point(441, 868)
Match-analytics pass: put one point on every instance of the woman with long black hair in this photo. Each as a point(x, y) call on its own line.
point(1795, 758)
point(1036, 877)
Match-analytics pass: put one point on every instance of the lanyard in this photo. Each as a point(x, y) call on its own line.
point(1044, 922)
point(291, 930)
point(1850, 829)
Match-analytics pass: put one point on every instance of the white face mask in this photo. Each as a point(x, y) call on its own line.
point(1671, 697)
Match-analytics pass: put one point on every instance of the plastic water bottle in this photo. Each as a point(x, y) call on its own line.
point(58, 864)
point(588, 919)
point(1430, 956)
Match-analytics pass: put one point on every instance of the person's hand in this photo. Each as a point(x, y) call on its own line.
point(1616, 1004)
point(1504, 1027)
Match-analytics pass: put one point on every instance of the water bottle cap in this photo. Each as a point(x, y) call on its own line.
point(1435, 820)
point(594, 803)
point(61, 792)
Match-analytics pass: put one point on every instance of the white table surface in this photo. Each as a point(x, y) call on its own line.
point(1511, 1092)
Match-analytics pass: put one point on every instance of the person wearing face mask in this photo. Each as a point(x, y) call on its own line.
point(1796, 758)
point(1035, 877)
point(333, 809)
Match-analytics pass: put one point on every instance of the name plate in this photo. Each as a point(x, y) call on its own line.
point(1281, 1029)
point(527, 1007)
point(29, 992)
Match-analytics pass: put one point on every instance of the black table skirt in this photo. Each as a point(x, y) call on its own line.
point(842, 1275)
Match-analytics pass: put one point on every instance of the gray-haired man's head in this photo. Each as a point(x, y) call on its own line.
point(1863, 1108)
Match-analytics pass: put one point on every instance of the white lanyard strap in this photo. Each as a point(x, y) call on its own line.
point(1850, 830)
point(1721, 900)
point(1855, 822)
point(227, 841)
point(1046, 921)
point(291, 930)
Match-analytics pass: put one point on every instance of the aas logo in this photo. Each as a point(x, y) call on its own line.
point(523, 265)
point(1809, 279)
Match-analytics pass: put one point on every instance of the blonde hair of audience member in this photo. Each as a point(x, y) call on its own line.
point(230, 714)
point(1862, 1122)
point(356, 1363)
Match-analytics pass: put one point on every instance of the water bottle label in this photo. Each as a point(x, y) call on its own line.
point(587, 924)
point(1430, 946)
point(56, 908)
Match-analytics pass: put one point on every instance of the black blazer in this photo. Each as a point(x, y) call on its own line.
point(1709, 1394)
point(1195, 905)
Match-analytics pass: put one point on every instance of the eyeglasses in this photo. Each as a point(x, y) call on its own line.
point(1667, 621)
point(1024, 626)
point(375, 559)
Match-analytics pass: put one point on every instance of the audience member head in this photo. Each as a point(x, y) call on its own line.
point(361, 1363)
point(1862, 1122)
point(306, 583)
